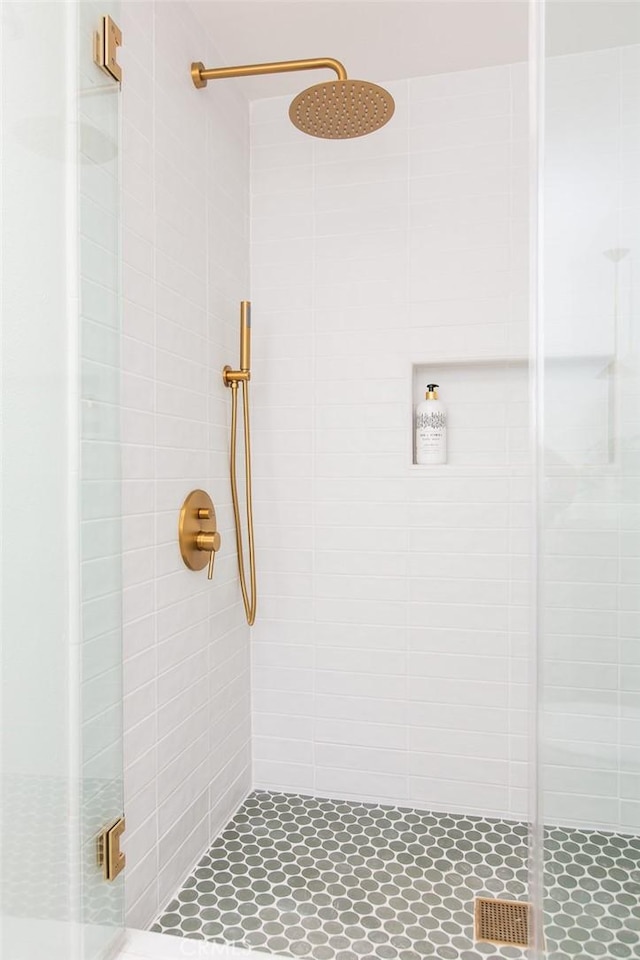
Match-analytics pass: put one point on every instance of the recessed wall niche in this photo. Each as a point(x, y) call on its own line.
point(488, 410)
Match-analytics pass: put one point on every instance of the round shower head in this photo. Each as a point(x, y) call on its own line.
point(340, 109)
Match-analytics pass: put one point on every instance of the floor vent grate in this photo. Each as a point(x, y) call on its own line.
point(502, 921)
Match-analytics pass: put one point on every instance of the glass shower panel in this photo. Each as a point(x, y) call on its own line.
point(38, 844)
point(61, 696)
point(590, 512)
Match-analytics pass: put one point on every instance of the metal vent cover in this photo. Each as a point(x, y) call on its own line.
point(502, 921)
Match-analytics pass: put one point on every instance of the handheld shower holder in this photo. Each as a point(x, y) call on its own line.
point(232, 378)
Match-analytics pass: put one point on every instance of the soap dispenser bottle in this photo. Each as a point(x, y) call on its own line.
point(431, 428)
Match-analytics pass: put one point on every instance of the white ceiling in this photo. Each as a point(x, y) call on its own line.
point(376, 40)
point(382, 40)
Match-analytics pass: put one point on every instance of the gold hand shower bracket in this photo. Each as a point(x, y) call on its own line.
point(232, 378)
point(201, 75)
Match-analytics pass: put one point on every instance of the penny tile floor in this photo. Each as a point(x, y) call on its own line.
point(337, 880)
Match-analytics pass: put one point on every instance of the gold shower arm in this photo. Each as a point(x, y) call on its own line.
point(201, 76)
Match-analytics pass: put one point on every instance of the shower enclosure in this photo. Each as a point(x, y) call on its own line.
point(443, 702)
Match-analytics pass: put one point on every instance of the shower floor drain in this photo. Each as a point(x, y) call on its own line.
point(502, 921)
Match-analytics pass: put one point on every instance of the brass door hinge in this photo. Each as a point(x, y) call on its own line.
point(106, 41)
point(110, 857)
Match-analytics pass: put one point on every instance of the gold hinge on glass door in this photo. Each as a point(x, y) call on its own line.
point(106, 41)
point(110, 857)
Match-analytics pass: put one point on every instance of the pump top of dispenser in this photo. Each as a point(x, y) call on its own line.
point(431, 393)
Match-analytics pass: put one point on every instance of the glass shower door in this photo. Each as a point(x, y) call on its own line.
point(61, 762)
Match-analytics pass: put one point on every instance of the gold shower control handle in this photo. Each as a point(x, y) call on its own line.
point(209, 542)
point(197, 532)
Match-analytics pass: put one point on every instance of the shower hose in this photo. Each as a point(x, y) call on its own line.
point(249, 597)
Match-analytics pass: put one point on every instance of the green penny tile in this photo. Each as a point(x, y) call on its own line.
point(255, 938)
point(277, 944)
point(619, 950)
point(222, 887)
point(339, 943)
point(227, 903)
point(204, 886)
point(425, 948)
point(269, 913)
point(386, 951)
point(362, 947)
point(595, 949)
point(586, 921)
point(246, 895)
point(336, 880)
point(263, 899)
point(301, 895)
point(189, 910)
point(186, 896)
point(361, 908)
point(300, 948)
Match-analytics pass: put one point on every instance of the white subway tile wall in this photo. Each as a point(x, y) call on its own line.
point(390, 651)
point(391, 659)
point(186, 267)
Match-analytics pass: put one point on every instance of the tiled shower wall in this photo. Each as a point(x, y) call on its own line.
point(185, 216)
point(389, 654)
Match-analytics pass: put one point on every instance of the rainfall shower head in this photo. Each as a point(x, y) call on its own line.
point(341, 109)
point(334, 110)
